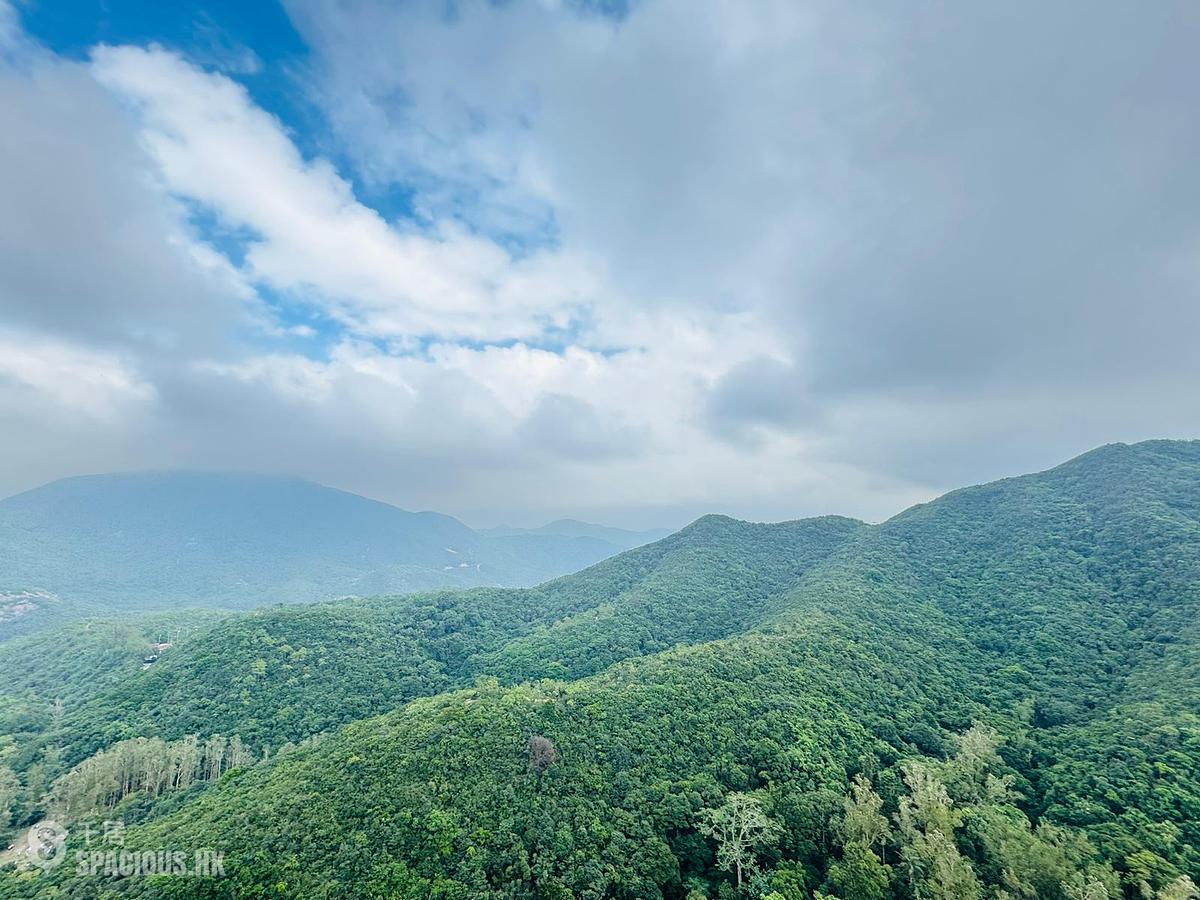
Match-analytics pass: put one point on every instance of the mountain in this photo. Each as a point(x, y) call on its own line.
point(990, 695)
point(171, 540)
point(282, 674)
point(619, 537)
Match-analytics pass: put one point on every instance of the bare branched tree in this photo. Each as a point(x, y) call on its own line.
point(542, 753)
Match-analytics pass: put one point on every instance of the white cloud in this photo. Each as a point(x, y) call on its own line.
point(610, 418)
point(312, 237)
point(691, 147)
point(774, 259)
point(89, 246)
point(503, 432)
point(12, 38)
point(952, 222)
point(68, 381)
point(632, 383)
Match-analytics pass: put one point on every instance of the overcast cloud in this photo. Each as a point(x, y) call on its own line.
point(767, 258)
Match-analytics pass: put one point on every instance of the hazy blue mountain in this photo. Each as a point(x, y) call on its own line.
point(108, 543)
point(621, 537)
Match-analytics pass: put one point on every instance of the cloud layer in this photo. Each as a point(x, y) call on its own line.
point(768, 258)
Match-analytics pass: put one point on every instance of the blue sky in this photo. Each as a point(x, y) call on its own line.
point(254, 43)
point(219, 34)
point(632, 263)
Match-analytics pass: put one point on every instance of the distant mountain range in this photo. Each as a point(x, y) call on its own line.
point(108, 543)
point(619, 537)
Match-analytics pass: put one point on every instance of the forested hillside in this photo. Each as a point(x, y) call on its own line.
point(120, 543)
point(280, 675)
point(993, 695)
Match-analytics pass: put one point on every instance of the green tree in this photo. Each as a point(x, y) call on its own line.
point(1182, 888)
point(1085, 890)
point(787, 882)
point(864, 824)
point(927, 820)
point(740, 827)
point(859, 875)
point(970, 774)
point(10, 789)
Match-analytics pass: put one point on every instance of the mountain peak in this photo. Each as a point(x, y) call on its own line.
point(240, 539)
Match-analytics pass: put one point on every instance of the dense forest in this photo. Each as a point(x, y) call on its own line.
point(992, 695)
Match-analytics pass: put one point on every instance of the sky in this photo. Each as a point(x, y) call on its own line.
point(625, 261)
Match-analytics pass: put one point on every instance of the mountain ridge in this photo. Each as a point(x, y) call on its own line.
point(975, 605)
point(162, 540)
point(1030, 645)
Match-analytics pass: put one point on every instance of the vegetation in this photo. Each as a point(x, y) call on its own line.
point(993, 695)
point(47, 677)
point(146, 766)
point(280, 675)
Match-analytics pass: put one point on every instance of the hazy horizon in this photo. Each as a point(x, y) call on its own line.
point(530, 524)
point(628, 263)
point(534, 523)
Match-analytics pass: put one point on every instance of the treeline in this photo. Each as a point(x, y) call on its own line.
point(573, 820)
point(46, 677)
point(955, 832)
point(149, 766)
point(949, 830)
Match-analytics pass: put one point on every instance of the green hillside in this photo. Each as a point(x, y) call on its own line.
point(993, 695)
point(282, 674)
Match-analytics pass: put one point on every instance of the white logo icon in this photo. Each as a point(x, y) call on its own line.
point(46, 845)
